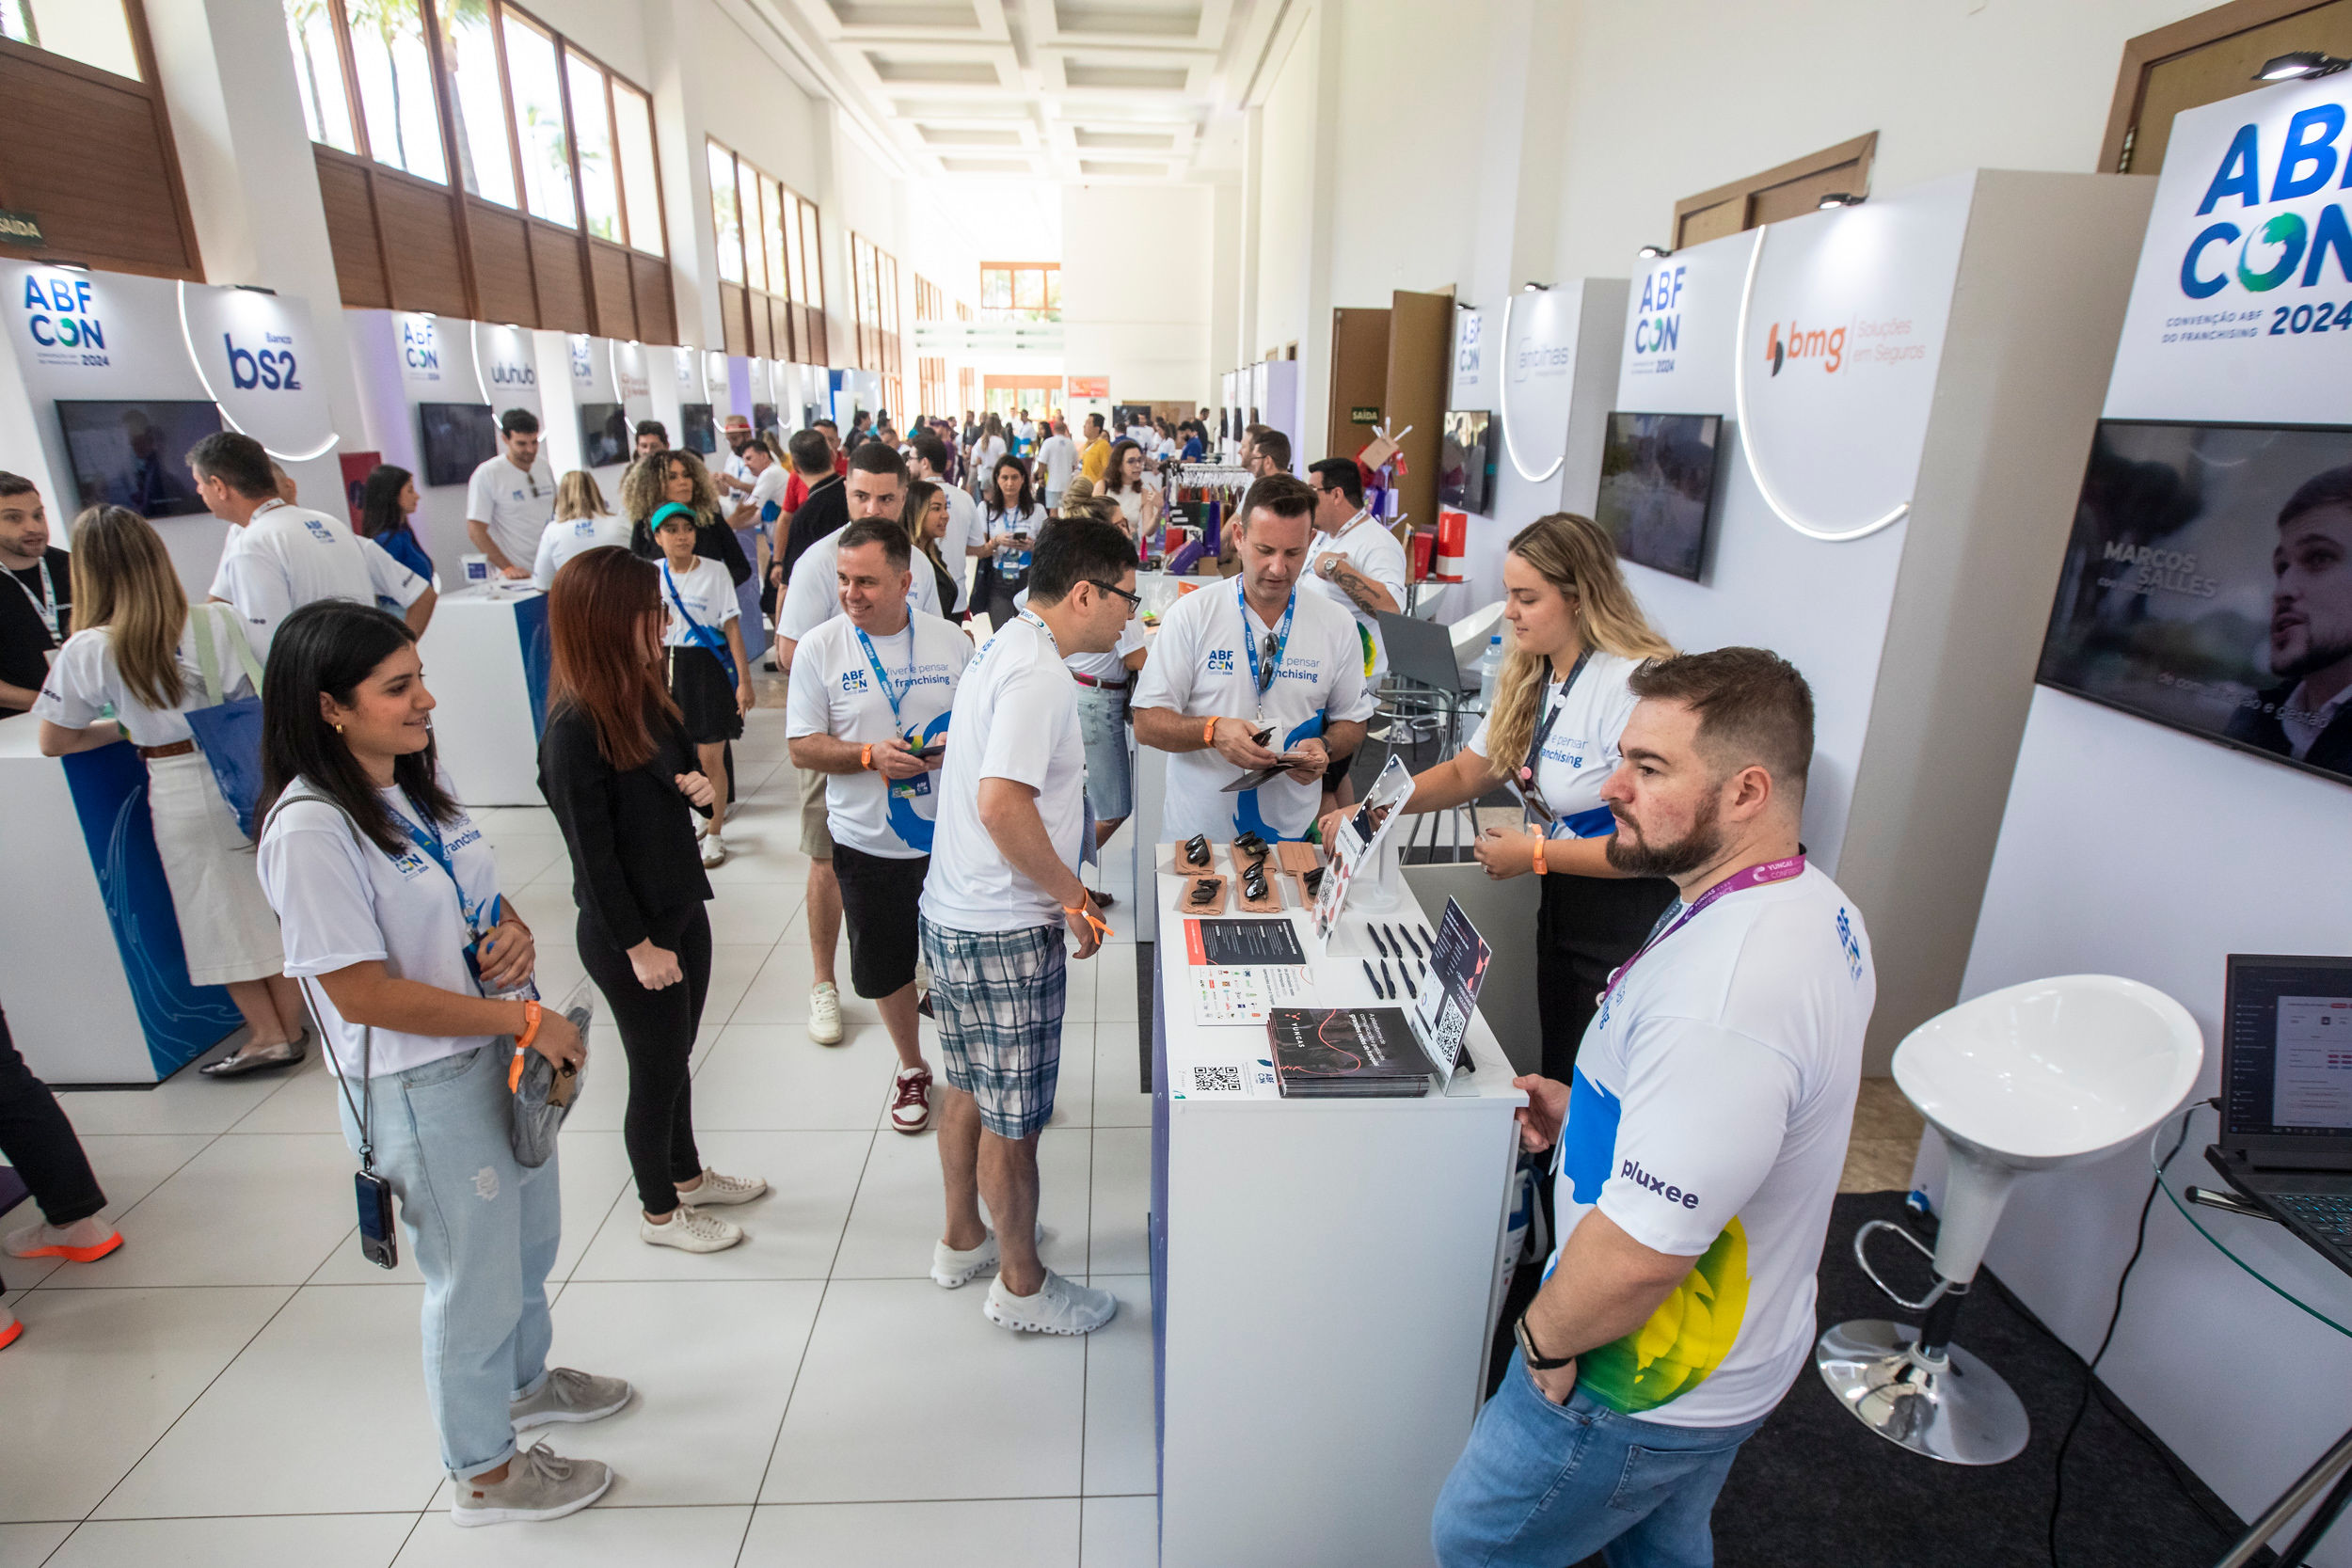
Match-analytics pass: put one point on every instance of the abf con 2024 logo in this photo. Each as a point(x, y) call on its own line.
point(60, 313)
point(2277, 223)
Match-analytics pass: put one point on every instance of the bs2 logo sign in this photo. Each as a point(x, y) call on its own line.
point(270, 367)
point(2265, 254)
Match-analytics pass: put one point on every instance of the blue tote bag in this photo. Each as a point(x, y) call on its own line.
point(228, 733)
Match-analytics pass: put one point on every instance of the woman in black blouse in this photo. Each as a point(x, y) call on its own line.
point(618, 771)
point(677, 475)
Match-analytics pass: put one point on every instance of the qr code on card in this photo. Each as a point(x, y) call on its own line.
point(1216, 1080)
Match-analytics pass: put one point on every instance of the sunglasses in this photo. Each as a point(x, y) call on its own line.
point(1268, 651)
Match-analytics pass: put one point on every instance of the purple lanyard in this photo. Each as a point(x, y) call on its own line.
point(1754, 876)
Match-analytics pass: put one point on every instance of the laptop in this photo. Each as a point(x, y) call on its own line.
point(2286, 1095)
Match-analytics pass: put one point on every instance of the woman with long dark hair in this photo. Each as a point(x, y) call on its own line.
point(619, 773)
point(1011, 519)
point(420, 974)
point(927, 517)
point(388, 498)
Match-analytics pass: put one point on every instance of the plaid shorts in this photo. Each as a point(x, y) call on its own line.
point(998, 997)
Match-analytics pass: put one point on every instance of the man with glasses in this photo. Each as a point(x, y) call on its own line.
point(1254, 675)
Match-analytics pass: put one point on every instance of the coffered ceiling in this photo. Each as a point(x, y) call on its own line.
point(1139, 90)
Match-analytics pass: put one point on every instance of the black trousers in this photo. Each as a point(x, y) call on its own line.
point(658, 1030)
point(1586, 927)
point(35, 1138)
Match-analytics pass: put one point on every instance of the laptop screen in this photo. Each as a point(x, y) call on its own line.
point(2286, 1062)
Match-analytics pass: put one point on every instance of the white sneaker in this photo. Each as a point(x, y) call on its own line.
point(911, 1100)
point(538, 1486)
point(1059, 1307)
point(824, 1012)
point(691, 1229)
point(714, 849)
point(717, 1191)
point(950, 1269)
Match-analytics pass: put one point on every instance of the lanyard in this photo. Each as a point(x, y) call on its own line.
point(1050, 641)
point(1333, 541)
point(429, 840)
point(265, 508)
point(874, 664)
point(1529, 790)
point(1281, 635)
point(1753, 875)
point(46, 600)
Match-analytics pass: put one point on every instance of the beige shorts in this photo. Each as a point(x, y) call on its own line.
point(816, 838)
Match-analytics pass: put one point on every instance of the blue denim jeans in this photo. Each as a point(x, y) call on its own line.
point(483, 1230)
point(1110, 777)
point(1542, 1484)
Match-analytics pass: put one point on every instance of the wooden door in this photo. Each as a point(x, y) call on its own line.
point(1360, 382)
point(1420, 343)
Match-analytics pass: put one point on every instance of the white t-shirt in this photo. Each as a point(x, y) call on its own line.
point(1373, 551)
point(814, 594)
point(1580, 750)
point(560, 542)
point(84, 679)
point(341, 901)
point(834, 692)
point(1200, 666)
point(992, 448)
point(516, 505)
point(286, 557)
point(707, 592)
point(998, 523)
point(1059, 454)
point(1141, 435)
point(767, 495)
point(1708, 1118)
point(964, 528)
point(1019, 704)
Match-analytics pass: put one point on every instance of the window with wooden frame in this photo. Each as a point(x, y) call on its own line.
point(1021, 290)
point(474, 162)
point(874, 297)
point(1792, 188)
point(88, 141)
point(931, 369)
point(771, 292)
point(2203, 59)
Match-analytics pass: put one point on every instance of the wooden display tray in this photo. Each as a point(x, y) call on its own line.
point(1184, 895)
point(1272, 902)
point(1179, 866)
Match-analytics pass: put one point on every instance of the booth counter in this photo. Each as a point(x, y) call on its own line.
point(486, 660)
point(1323, 1279)
point(95, 985)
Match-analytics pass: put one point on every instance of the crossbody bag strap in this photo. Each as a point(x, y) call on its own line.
point(204, 620)
point(365, 1110)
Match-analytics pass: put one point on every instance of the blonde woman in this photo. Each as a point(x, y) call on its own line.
point(582, 522)
point(142, 649)
point(1577, 633)
point(927, 516)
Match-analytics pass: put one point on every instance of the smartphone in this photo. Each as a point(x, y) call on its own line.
point(933, 752)
point(378, 1243)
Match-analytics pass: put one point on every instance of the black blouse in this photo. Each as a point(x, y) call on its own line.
point(633, 849)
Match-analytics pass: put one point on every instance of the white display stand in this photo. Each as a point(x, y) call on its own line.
point(95, 987)
point(1288, 1239)
point(2223, 852)
point(486, 660)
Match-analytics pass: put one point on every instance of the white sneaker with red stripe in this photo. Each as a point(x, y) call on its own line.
point(911, 1100)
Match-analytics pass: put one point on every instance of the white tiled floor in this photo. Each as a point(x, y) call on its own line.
point(238, 1386)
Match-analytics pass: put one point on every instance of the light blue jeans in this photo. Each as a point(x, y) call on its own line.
point(1541, 1484)
point(1110, 777)
point(483, 1230)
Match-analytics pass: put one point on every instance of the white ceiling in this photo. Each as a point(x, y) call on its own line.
point(1131, 91)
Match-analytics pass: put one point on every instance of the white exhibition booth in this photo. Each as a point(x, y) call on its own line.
point(2130, 849)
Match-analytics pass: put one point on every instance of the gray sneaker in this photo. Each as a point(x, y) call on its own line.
point(538, 1486)
point(569, 1396)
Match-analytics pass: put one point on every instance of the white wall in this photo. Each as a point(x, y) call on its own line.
point(1138, 269)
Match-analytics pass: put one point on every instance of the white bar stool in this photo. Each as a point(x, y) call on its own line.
point(2052, 1072)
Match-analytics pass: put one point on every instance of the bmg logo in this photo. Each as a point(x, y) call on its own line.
point(270, 367)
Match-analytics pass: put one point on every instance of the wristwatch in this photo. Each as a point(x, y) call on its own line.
point(1328, 565)
point(1535, 1358)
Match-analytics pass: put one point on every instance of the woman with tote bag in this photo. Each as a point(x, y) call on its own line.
point(143, 650)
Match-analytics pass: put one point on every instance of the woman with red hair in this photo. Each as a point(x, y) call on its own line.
point(619, 773)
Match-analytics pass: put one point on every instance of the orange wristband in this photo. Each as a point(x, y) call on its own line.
point(1208, 733)
point(1539, 850)
point(1086, 912)
point(865, 757)
point(522, 1042)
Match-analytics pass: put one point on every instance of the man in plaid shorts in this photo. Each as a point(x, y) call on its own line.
point(1002, 892)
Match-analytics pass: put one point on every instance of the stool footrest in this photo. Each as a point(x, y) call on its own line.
point(1861, 1256)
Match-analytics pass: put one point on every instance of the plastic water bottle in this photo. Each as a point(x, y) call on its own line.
point(1489, 671)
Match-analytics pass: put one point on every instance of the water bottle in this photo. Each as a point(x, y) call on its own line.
point(1489, 671)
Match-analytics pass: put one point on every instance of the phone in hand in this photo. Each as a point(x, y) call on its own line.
point(933, 752)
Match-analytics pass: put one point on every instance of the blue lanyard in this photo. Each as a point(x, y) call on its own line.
point(874, 664)
point(1050, 641)
point(1249, 641)
point(429, 840)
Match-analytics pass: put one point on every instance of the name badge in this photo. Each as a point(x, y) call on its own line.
point(910, 789)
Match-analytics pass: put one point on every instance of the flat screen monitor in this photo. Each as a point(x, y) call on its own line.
point(763, 418)
point(2208, 586)
point(698, 427)
point(459, 438)
point(605, 437)
point(135, 454)
point(1465, 461)
point(1657, 486)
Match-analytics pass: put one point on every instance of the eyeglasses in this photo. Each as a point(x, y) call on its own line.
point(1134, 601)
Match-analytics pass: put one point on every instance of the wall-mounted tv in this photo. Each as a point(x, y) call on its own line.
point(459, 438)
point(1465, 461)
point(1657, 486)
point(698, 428)
point(135, 454)
point(605, 434)
point(2208, 586)
point(763, 418)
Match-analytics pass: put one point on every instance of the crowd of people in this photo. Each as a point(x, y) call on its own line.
point(954, 612)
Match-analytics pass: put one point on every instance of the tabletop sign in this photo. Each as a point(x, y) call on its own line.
point(1356, 845)
point(1242, 941)
point(1456, 973)
point(21, 228)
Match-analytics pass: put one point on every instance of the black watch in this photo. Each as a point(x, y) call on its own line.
point(1536, 1358)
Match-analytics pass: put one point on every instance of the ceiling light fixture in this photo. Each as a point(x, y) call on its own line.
point(2297, 64)
point(1655, 252)
point(1835, 199)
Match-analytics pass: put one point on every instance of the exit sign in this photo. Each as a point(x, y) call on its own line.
point(1364, 415)
point(21, 228)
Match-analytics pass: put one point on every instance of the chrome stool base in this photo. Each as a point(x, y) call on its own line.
point(1958, 1411)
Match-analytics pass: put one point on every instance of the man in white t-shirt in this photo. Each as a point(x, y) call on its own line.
point(1248, 658)
point(1699, 1147)
point(872, 689)
point(1001, 900)
point(1058, 457)
point(1354, 561)
point(966, 536)
point(510, 497)
point(278, 558)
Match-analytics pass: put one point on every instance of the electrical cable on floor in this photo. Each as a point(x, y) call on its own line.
point(2115, 1315)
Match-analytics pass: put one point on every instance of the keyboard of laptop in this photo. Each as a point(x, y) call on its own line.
point(2327, 1213)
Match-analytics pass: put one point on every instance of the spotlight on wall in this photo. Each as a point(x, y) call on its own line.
point(65, 266)
point(1533, 288)
point(255, 287)
point(1655, 252)
point(1839, 198)
point(2298, 64)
